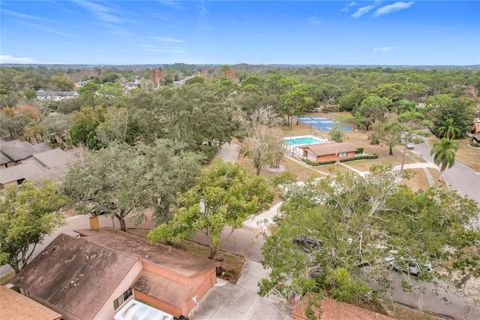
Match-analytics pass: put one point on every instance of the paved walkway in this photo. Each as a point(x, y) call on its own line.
point(262, 221)
point(362, 173)
point(418, 165)
point(229, 152)
point(241, 301)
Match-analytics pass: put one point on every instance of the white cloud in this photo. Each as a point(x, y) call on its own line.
point(168, 50)
point(383, 49)
point(362, 10)
point(350, 5)
point(38, 27)
point(100, 11)
point(5, 58)
point(397, 6)
point(171, 3)
point(25, 16)
point(314, 20)
point(167, 39)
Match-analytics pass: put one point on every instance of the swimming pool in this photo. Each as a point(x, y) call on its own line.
point(320, 123)
point(295, 141)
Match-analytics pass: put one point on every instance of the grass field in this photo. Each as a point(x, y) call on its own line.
point(300, 171)
point(467, 154)
point(418, 181)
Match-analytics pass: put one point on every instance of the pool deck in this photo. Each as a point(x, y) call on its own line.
point(294, 150)
point(320, 140)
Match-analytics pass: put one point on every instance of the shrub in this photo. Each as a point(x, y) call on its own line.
point(423, 133)
point(312, 163)
point(362, 157)
point(284, 178)
point(475, 143)
point(359, 151)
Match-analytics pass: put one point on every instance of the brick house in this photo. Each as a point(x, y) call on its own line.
point(328, 151)
point(96, 275)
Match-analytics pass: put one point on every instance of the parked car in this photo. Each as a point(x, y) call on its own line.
point(308, 245)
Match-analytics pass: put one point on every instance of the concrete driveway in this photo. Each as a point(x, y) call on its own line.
point(241, 301)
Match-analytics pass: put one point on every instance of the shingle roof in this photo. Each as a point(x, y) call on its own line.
point(51, 164)
point(53, 158)
point(175, 260)
point(163, 288)
point(14, 305)
point(24, 170)
point(335, 310)
point(74, 276)
point(4, 158)
point(17, 150)
point(40, 147)
point(323, 149)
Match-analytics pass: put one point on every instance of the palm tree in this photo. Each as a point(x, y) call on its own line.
point(443, 153)
point(449, 130)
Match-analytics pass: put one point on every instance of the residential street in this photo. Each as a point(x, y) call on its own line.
point(460, 177)
point(441, 299)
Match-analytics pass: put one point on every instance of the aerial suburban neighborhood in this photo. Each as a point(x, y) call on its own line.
point(239, 160)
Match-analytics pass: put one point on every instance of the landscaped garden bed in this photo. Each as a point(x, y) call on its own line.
point(230, 265)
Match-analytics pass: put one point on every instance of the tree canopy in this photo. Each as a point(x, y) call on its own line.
point(342, 235)
point(27, 215)
point(224, 195)
point(120, 180)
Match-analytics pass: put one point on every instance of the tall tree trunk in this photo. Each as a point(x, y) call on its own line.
point(123, 225)
point(213, 252)
point(121, 219)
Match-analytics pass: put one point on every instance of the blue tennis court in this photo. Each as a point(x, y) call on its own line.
point(320, 123)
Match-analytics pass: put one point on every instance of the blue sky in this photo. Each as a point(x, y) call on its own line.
point(228, 32)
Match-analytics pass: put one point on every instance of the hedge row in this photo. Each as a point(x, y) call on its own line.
point(367, 156)
point(314, 164)
point(361, 157)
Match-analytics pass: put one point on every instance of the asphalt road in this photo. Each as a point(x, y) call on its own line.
point(459, 177)
point(441, 299)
